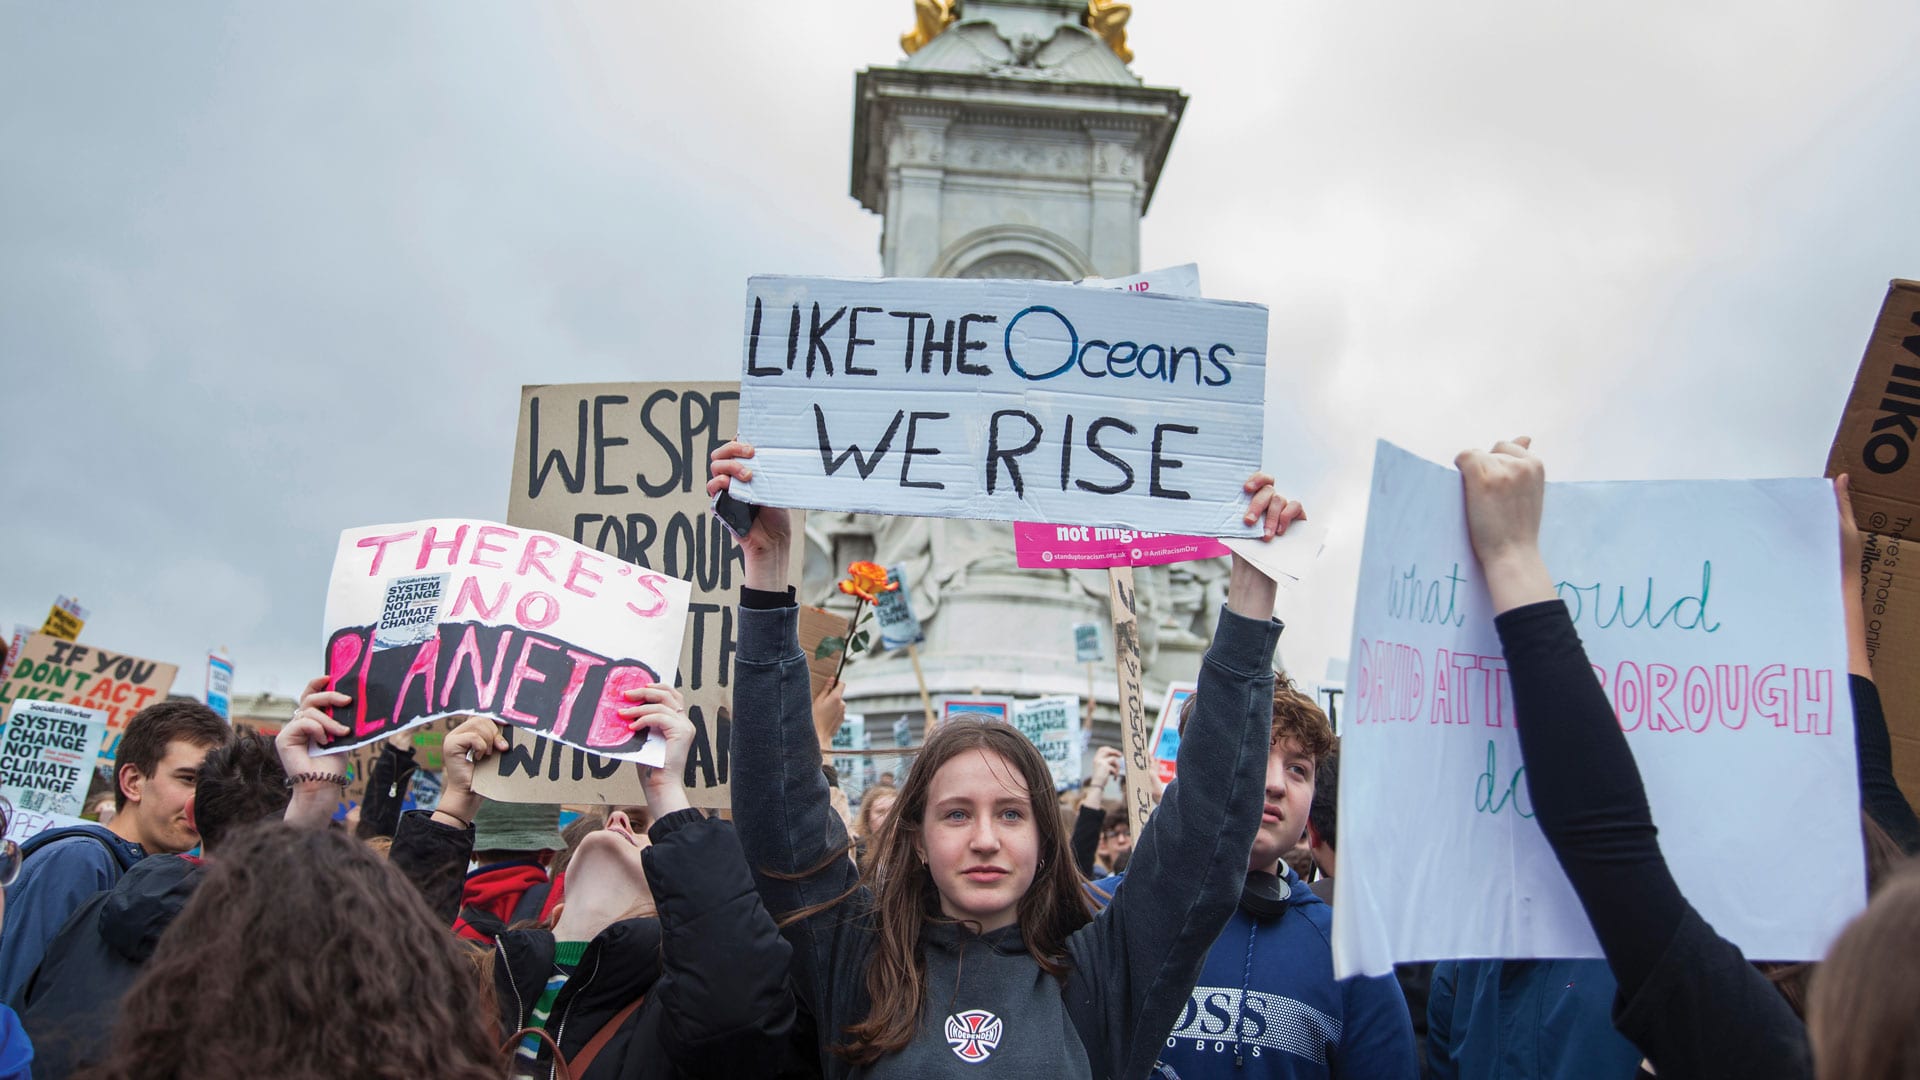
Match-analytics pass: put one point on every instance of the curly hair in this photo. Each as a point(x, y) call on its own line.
point(1295, 717)
point(303, 955)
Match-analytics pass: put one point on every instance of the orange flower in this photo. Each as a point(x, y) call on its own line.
point(866, 580)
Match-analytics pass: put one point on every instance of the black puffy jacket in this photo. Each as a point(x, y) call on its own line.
point(712, 966)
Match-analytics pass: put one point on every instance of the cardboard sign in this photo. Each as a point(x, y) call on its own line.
point(120, 685)
point(21, 632)
point(1711, 613)
point(622, 467)
point(1092, 547)
point(1002, 400)
point(1166, 732)
point(854, 771)
point(220, 685)
point(537, 772)
point(1053, 725)
point(456, 617)
point(66, 619)
point(1874, 446)
point(24, 825)
point(1182, 280)
point(977, 707)
point(1287, 557)
point(47, 753)
point(1086, 643)
point(899, 627)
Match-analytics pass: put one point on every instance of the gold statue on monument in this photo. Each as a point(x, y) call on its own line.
point(930, 17)
point(1108, 18)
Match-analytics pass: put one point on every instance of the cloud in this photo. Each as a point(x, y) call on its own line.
point(275, 272)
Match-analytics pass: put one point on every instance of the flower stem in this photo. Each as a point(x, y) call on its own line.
point(852, 624)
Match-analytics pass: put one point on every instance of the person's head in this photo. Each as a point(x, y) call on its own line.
point(974, 838)
point(1323, 817)
point(155, 769)
point(1863, 1013)
point(238, 784)
point(1301, 737)
point(1116, 840)
point(876, 804)
point(606, 876)
point(341, 971)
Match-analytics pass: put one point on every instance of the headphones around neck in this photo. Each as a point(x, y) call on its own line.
point(1266, 895)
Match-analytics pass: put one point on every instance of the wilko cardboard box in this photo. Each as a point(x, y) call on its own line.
point(1876, 447)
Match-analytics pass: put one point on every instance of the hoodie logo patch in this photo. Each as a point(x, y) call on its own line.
point(974, 1034)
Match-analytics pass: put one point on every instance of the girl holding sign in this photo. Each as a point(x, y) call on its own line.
point(967, 941)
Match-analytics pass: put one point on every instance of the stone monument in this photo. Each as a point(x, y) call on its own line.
point(1011, 142)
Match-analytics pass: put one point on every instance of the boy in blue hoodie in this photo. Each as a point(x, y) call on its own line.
point(1267, 1004)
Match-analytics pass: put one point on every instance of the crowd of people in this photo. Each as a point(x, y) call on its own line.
point(965, 920)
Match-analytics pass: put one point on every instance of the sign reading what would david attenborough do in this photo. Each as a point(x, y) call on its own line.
point(449, 617)
point(1003, 400)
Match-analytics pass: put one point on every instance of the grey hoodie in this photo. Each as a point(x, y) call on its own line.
point(989, 1009)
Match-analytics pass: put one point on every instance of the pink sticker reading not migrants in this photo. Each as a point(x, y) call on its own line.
point(1087, 547)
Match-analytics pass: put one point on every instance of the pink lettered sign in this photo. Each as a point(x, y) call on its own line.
point(1087, 547)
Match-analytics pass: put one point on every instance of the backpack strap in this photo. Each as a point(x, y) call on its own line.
point(602, 1037)
point(575, 1069)
point(35, 843)
point(481, 922)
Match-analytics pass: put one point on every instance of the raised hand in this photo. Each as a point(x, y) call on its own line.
point(771, 537)
point(1506, 492)
point(659, 709)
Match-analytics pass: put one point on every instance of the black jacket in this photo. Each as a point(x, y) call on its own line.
point(72, 1000)
point(712, 965)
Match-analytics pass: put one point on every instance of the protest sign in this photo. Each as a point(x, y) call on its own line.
point(1002, 400)
point(66, 619)
point(450, 617)
point(1286, 557)
point(21, 632)
point(622, 467)
point(853, 771)
point(1086, 643)
point(535, 770)
point(1053, 725)
point(1711, 614)
point(1873, 446)
point(220, 685)
point(899, 627)
point(1093, 547)
point(47, 752)
point(24, 825)
point(1182, 280)
point(50, 669)
point(1166, 732)
point(977, 707)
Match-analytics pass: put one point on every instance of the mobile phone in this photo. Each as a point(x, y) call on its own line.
point(735, 514)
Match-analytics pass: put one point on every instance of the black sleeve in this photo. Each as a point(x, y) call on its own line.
point(1687, 997)
point(1880, 794)
point(727, 1007)
point(386, 792)
point(434, 857)
point(1086, 839)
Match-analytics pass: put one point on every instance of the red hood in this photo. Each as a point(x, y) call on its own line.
point(496, 891)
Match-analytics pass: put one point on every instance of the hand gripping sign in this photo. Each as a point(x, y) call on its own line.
point(446, 617)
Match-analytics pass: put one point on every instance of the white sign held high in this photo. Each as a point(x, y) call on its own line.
point(1711, 613)
point(1003, 400)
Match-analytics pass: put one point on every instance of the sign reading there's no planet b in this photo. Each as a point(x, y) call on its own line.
point(1003, 400)
point(449, 617)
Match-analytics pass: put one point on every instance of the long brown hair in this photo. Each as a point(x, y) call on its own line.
point(1864, 1004)
point(303, 955)
point(905, 898)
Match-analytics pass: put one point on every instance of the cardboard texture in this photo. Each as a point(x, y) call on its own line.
point(50, 669)
point(1002, 400)
point(1874, 446)
point(622, 468)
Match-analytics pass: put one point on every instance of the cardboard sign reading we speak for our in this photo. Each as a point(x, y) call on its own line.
point(1003, 400)
point(1710, 612)
point(445, 617)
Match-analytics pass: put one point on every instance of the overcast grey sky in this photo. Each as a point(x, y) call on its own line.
point(272, 270)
